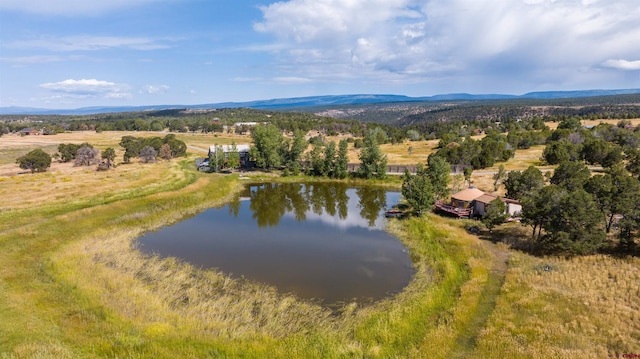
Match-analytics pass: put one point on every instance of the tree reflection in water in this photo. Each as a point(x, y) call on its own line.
point(271, 201)
point(372, 200)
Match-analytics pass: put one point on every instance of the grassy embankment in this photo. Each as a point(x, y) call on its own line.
point(72, 285)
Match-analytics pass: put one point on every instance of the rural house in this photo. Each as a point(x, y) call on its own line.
point(243, 151)
point(472, 202)
point(29, 131)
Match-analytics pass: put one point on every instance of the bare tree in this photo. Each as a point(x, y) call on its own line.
point(165, 152)
point(148, 154)
point(87, 156)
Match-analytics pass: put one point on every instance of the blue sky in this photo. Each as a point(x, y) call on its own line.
point(76, 53)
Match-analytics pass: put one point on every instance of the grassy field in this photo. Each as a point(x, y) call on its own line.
point(72, 283)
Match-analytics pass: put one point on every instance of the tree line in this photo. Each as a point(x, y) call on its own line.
point(271, 149)
point(147, 149)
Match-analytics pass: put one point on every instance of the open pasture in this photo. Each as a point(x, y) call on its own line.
point(72, 284)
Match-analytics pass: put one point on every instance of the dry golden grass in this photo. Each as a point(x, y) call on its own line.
point(409, 152)
point(585, 307)
point(634, 122)
point(65, 183)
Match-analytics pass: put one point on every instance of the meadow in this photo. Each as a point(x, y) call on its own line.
point(72, 283)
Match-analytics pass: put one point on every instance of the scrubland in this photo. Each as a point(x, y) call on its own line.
point(72, 283)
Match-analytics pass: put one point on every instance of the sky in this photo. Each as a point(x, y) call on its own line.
point(78, 53)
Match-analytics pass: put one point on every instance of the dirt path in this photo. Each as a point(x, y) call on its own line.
point(467, 339)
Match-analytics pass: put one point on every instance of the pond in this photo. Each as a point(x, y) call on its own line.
point(318, 241)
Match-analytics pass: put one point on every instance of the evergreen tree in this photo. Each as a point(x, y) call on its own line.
point(571, 175)
point(342, 160)
point(373, 163)
point(329, 160)
point(295, 152)
point(439, 173)
point(561, 151)
point(520, 183)
point(496, 214)
point(575, 226)
point(315, 160)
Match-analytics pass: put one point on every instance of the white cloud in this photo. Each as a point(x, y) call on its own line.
point(304, 20)
point(291, 80)
point(40, 59)
point(511, 42)
point(93, 43)
point(87, 88)
point(71, 7)
point(622, 64)
point(156, 89)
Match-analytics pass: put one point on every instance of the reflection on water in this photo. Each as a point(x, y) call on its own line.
point(322, 241)
point(270, 202)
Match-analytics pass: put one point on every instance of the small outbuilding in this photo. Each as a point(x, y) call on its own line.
point(481, 204)
point(514, 208)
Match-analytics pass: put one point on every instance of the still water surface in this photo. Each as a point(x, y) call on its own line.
point(320, 241)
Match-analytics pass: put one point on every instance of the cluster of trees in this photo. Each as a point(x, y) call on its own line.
point(149, 148)
point(326, 160)
point(475, 153)
point(81, 155)
point(270, 149)
point(605, 145)
point(574, 212)
point(84, 154)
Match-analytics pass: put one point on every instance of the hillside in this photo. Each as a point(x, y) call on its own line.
point(304, 103)
point(409, 113)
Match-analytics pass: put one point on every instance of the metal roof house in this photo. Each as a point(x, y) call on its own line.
point(243, 151)
point(228, 148)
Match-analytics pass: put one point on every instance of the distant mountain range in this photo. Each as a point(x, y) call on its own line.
point(315, 101)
